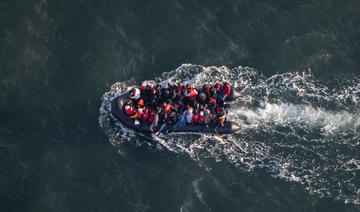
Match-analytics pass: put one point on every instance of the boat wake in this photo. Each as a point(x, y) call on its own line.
point(293, 126)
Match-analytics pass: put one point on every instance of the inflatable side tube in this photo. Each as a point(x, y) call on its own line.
point(232, 96)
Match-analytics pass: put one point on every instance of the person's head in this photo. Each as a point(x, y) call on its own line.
point(225, 83)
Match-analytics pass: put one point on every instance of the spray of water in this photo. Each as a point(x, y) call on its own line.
point(293, 126)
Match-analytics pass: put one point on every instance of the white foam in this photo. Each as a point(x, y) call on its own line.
point(285, 113)
point(291, 100)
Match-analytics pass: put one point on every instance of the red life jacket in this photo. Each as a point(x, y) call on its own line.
point(139, 114)
point(151, 118)
point(196, 118)
point(142, 88)
point(219, 85)
point(145, 116)
point(193, 94)
point(176, 89)
point(226, 89)
point(217, 108)
point(207, 89)
point(129, 111)
point(202, 119)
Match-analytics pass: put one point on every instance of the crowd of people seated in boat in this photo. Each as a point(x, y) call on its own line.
point(176, 105)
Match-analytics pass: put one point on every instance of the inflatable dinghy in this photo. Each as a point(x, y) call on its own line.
point(117, 109)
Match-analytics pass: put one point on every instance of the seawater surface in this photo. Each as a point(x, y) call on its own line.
point(295, 63)
point(292, 127)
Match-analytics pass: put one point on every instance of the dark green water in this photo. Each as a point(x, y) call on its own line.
point(295, 63)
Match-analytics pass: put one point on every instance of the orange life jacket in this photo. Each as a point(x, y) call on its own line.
point(141, 102)
point(167, 108)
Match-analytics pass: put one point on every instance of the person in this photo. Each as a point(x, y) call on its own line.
point(146, 115)
point(142, 89)
point(172, 94)
point(222, 117)
point(154, 122)
point(212, 92)
point(181, 123)
point(163, 122)
point(226, 90)
point(135, 94)
point(202, 98)
point(138, 114)
point(196, 117)
point(166, 107)
point(214, 122)
point(140, 102)
point(190, 95)
point(151, 117)
point(129, 109)
point(207, 115)
point(153, 100)
point(211, 103)
point(223, 91)
point(165, 93)
point(201, 117)
point(189, 114)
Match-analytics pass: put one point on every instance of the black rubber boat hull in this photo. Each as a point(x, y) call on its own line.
point(232, 96)
point(117, 111)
